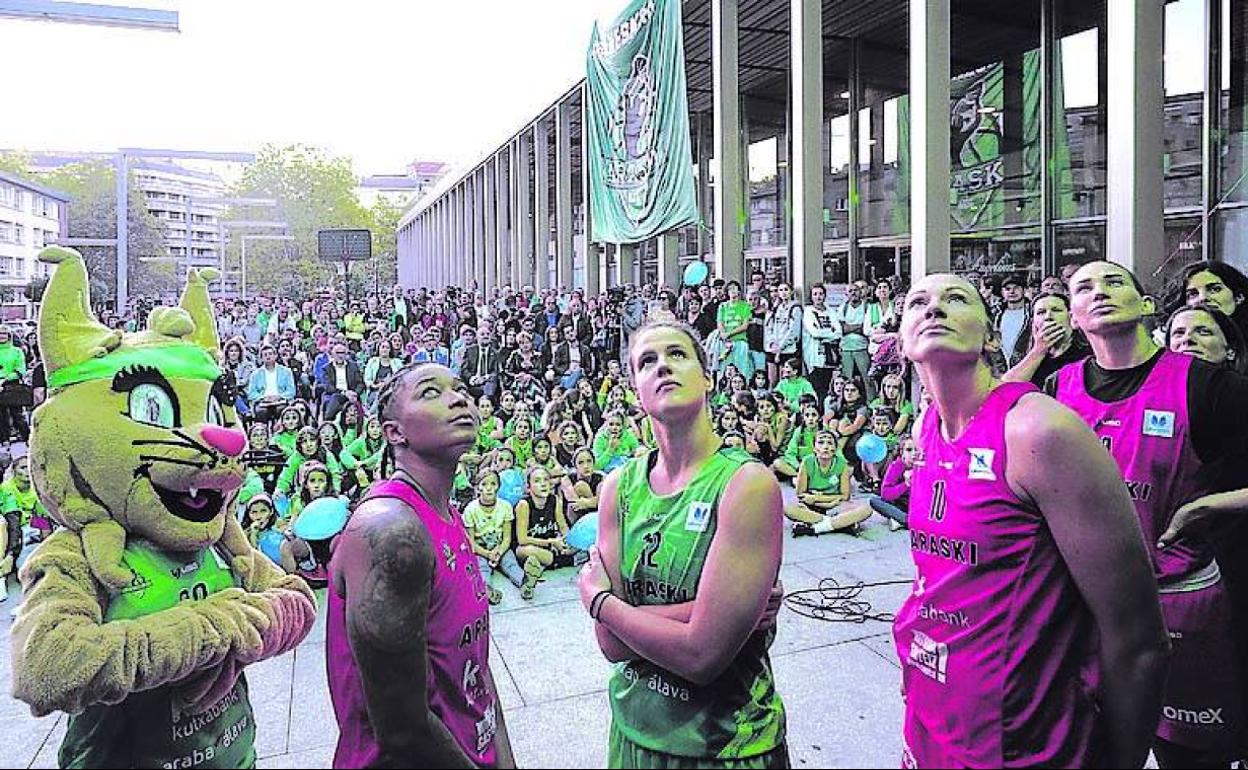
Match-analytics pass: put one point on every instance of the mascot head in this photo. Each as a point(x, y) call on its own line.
point(131, 434)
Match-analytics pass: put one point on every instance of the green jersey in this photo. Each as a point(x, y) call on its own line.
point(821, 481)
point(150, 729)
point(664, 540)
point(732, 314)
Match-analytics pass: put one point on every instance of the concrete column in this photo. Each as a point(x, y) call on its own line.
point(448, 257)
point(478, 229)
point(806, 163)
point(502, 233)
point(524, 212)
point(468, 233)
point(625, 264)
point(457, 234)
point(1134, 235)
point(705, 204)
point(541, 204)
point(513, 188)
point(853, 171)
point(669, 260)
point(729, 197)
point(489, 229)
point(564, 254)
point(426, 253)
point(929, 137)
point(595, 276)
point(464, 262)
point(439, 273)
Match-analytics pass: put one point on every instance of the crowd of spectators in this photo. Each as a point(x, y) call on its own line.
point(814, 384)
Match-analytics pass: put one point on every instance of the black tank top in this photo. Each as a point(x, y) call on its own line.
point(542, 521)
point(383, 372)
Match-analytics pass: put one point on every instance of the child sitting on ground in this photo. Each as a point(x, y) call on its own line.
point(490, 521)
point(822, 488)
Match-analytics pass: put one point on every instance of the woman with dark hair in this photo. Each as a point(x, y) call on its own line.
point(1217, 284)
point(1209, 334)
point(408, 623)
point(1054, 342)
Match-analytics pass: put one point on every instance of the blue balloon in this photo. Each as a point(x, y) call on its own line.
point(511, 485)
point(695, 273)
point(270, 542)
point(584, 532)
point(872, 448)
point(322, 519)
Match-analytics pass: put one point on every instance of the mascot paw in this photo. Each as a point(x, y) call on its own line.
point(235, 544)
point(202, 691)
point(103, 543)
point(242, 620)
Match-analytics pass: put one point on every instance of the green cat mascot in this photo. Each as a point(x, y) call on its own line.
point(141, 611)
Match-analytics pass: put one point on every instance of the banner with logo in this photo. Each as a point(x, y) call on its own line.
point(977, 168)
point(637, 126)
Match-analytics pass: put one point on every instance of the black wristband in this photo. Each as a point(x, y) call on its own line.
point(595, 604)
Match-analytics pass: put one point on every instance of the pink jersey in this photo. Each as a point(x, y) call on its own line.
point(1148, 435)
point(458, 634)
point(998, 650)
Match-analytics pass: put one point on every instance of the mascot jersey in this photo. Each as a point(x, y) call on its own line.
point(138, 731)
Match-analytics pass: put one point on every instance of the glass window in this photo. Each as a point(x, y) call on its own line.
point(1079, 244)
point(1183, 129)
point(836, 196)
point(1231, 230)
point(1079, 152)
point(1234, 102)
point(884, 179)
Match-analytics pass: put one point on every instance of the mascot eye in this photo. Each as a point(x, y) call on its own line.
point(216, 416)
point(151, 405)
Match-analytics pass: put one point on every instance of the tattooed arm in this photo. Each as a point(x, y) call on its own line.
point(386, 563)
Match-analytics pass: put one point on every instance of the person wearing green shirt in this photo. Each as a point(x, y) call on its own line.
point(521, 443)
point(308, 447)
point(12, 370)
point(792, 384)
point(614, 443)
point(284, 439)
point(733, 320)
point(822, 489)
point(683, 579)
point(362, 457)
point(801, 444)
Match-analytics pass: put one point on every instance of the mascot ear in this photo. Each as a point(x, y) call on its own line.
point(196, 302)
point(68, 332)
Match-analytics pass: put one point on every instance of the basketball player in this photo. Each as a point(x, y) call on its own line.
point(408, 627)
point(689, 546)
point(1020, 646)
point(1169, 420)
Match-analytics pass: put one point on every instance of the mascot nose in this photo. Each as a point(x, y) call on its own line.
point(229, 442)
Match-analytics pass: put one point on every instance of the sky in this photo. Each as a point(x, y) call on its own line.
point(383, 82)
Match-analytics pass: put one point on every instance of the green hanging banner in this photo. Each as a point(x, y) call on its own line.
point(637, 125)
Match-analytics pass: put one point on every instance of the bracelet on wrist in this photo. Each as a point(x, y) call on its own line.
point(595, 604)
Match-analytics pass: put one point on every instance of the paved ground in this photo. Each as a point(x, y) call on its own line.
point(839, 680)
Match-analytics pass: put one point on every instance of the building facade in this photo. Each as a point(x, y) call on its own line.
point(905, 137)
point(31, 216)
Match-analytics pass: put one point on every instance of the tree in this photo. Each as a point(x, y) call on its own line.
point(314, 191)
point(35, 288)
point(92, 190)
point(385, 218)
